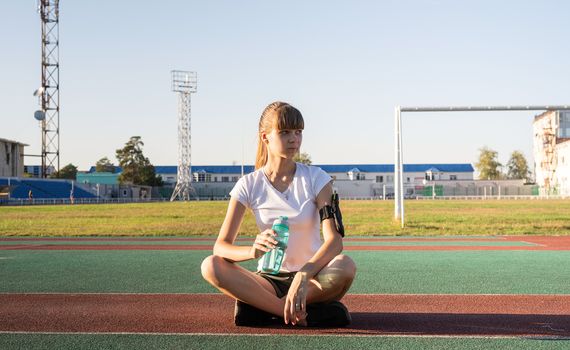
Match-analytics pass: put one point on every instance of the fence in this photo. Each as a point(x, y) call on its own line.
point(58, 201)
point(475, 191)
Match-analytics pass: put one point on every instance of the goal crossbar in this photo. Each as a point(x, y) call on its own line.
point(398, 161)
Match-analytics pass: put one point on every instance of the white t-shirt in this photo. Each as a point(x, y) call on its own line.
point(298, 203)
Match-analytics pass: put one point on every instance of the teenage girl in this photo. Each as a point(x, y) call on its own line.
point(314, 275)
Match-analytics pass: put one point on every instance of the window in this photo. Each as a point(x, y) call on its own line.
point(390, 178)
point(202, 177)
point(380, 178)
point(225, 179)
point(235, 178)
point(564, 124)
point(360, 176)
point(407, 179)
point(7, 147)
point(453, 177)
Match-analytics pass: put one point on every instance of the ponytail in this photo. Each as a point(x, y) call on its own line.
point(261, 157)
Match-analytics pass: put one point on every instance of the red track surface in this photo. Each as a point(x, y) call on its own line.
point(213, 238)
point(466, 315)
point(540, 243)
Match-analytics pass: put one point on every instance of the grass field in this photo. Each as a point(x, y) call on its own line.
point(98, 293)
point(491, 217)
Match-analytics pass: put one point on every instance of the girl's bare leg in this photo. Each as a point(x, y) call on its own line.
point(239, 283)
point(333, 281)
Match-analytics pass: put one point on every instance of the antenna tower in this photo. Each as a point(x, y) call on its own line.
point(49, 91)
point(184, 83)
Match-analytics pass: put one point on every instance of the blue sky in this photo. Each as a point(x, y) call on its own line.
point(344, 64)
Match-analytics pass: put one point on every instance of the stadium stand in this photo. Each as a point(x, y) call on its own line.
point(43, 189)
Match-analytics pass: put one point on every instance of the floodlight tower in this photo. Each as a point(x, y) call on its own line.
point(48, 93)
point(184, 83)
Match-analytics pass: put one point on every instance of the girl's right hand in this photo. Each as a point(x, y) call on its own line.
point(264, 242)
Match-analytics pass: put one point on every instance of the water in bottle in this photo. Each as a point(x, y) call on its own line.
point(271, 261)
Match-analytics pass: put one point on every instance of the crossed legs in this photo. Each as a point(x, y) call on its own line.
point(331, 283)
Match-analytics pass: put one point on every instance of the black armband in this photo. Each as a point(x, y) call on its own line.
point(333, 211)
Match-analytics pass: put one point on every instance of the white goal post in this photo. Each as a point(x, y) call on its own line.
point(398, 161)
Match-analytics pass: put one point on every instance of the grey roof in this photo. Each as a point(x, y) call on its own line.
point(10, 141)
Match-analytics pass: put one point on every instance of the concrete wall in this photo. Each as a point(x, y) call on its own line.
point(11, 158)
point(356, 188)
point(544, 149)
point(563, 168)
point(551, 155)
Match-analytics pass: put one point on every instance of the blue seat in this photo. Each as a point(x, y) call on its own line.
point(44, 189)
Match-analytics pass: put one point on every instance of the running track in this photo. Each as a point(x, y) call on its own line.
point(456, 315)
point(384, 314)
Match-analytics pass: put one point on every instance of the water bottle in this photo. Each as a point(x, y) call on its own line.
point(271, 261)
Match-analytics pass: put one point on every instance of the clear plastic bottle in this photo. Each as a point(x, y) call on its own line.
point(272, 260)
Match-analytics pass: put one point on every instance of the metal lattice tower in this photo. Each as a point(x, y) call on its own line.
point(184, 83)
point(49, 90)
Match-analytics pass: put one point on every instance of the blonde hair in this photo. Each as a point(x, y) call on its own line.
point(277, 115)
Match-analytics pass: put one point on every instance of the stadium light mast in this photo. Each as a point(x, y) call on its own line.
point(184, 83)
point(48, 93)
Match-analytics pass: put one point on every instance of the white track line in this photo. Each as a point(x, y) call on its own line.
point(297, 335)
point(215, 294)
point(534, 244)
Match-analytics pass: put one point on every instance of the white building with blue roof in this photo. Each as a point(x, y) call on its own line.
point(350, 180)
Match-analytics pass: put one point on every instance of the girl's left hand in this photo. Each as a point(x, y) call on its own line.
point(296, 301)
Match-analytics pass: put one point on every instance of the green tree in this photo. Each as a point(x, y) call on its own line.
point(303, 158)
point(488, 165)
point(67, 172)
point(136, 168)
point(517, 167)
point(104, 165)
point(149, 177)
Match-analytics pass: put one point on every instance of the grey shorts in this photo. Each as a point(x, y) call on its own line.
point(280, 282)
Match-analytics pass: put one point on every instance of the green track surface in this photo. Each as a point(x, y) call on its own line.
point(244, 243)
point(394, 272)
point(130, 341)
